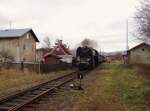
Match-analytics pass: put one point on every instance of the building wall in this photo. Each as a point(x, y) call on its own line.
point(39, 55)
point(52, 60)
point(23, 48)
point(27, 48)
point(10, 45)
point(139, 55)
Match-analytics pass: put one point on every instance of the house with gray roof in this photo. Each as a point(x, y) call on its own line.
point(139, 54)
point(20, 43)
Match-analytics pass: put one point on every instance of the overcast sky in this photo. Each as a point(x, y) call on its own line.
point(72, 20)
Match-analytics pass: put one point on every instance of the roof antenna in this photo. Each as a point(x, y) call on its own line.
point(10, 24)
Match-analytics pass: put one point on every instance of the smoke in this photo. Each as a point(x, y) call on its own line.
point(89, 43)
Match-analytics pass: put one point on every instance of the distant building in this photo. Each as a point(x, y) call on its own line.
point(139, 54)
point(60, 52)
point(41, 52)
point(21, 44)
point(52, 59)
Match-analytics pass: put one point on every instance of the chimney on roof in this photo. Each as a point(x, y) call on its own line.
point(6, 30)
point(58, 42)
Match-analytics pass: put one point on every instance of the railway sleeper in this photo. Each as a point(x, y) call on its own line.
point(51, 91)
point(44, 88)
point(18, 100)
point(42, 102)
point(4, 108)
point(30, 95)
point(33, 106)
point(36, 92)
point(26, 97)
point(27, 109)
point(51, 85)
point(55, 83)
point(12, 103)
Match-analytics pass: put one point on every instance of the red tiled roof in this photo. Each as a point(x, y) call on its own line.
point(45, 56)
point(65, 49)
point(59, 50)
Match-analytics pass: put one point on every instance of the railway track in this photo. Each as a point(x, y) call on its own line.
point(24, 99)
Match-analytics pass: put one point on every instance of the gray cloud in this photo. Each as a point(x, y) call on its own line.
point(72, 19)
point(91, 27)
point(4, 20)
point(42, 2)
point(117, 25)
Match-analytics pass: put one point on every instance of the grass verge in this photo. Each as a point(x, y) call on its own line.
point(116, 88)
point(11, 80)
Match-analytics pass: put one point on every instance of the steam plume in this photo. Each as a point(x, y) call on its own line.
point(89, 43)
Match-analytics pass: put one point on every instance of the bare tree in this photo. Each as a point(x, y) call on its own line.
point(142, 18)
point(6, 56)
point(58, 41)
point(47, 42)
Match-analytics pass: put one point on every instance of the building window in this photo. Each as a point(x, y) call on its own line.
point(28, 36)
point(24, 47)
point(57, 49)
point(33, 49)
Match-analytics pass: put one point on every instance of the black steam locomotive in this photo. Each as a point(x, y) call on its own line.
point(88, 58)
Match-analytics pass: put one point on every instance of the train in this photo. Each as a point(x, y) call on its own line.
point(88, 58)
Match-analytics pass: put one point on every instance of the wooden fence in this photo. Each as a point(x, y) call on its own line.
point(36, 67)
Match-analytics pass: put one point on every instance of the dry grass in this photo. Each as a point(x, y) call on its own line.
point(121, 89)
point(116, 88)
point(143, 70)
point(12, 80)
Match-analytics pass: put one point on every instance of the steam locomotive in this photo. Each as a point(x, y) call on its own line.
point(88, 58)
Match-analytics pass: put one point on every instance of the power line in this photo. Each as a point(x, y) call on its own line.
point(108, 35)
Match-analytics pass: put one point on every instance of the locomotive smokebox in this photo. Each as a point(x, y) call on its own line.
point(83, 66)
point(85, 56)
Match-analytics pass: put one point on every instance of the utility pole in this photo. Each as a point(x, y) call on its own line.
point(127, 46)
point(127, 30)
point(100, 50)
point(10, 24)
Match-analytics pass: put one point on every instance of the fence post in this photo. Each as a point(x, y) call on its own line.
point(39, 67)
point(22, 66)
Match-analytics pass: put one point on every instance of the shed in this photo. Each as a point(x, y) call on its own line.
point(139, 54)
point(52, 59)
point(60, 51)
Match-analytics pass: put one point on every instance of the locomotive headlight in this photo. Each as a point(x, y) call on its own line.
point(88, 59)
point(78, 58)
